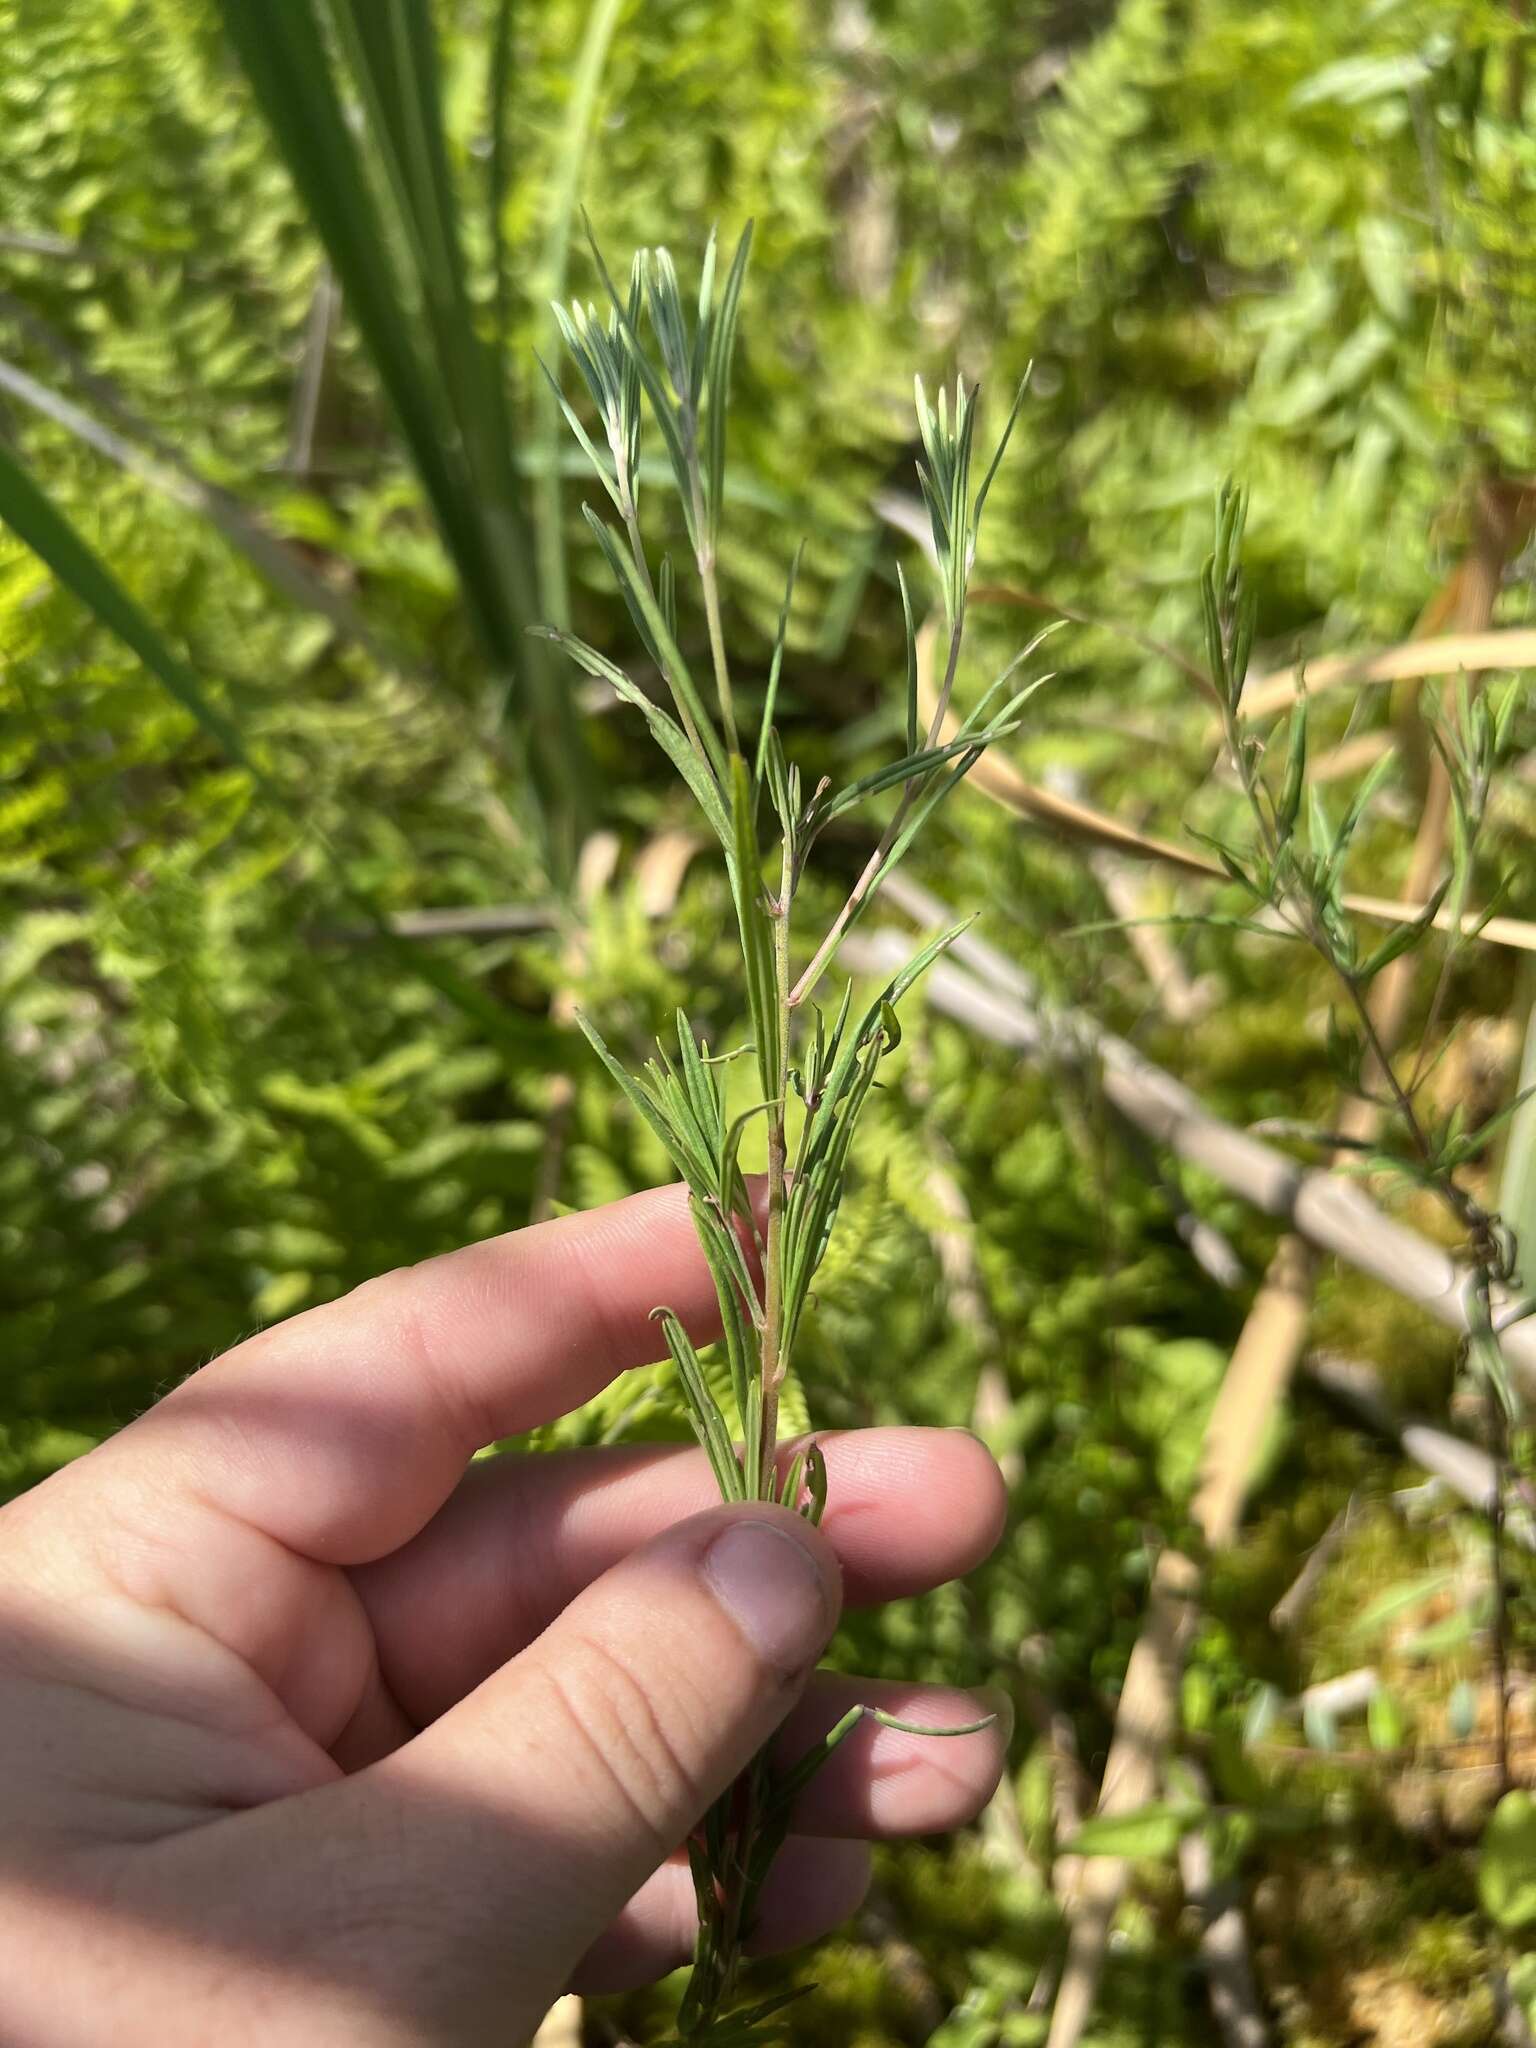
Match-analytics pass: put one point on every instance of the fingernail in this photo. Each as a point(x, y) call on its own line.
point(772, 1587)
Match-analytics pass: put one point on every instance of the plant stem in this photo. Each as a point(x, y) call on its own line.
point(774, 1364)
point(1381, 1017)
point(637, 549)
point(725, 1915)
point(860, 892)
point(725, 1919)
point(704, 557)
point(1500, 1629)
point(706, 561)
point(1381, 1059)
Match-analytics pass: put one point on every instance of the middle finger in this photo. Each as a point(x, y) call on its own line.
point(520, 1537)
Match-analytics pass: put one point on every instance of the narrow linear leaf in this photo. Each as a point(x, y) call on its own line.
point(775, 667)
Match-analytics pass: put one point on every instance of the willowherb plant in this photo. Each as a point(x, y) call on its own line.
point(1291, 864)
point(814, 1070)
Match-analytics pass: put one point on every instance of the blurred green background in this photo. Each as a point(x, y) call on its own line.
point(300, 422)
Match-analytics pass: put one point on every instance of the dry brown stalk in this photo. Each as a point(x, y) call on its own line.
point(304, 418)
point(1453, 635)
point(1351, 757)
point(1516, 932)
point(1463, 1468)
point(1253, 1387)
point(1180, 999)
point(1466, 653)
point(660, 868)
point(1065, 815)
point(965, 1291)
point(1080, 824)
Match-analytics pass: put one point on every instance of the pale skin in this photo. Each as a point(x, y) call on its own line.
point(314, 1734)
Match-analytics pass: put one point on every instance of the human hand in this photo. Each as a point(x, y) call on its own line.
point(316, 1734)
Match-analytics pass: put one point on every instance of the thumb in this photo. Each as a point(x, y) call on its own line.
point(561, 1783)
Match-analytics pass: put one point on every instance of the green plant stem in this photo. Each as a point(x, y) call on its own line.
point(704, 557)
point(774, 1364)
point(725, 1917)
point(1489, 1254)
point(725, 1913)
point(1498, 1434)
point(859, 894)
point(706, 560)
point(1383, 1060)
point(1317, 936)
point(637, 549)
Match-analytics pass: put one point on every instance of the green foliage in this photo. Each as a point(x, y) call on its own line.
point(1506, 1871)
point(1149, 1831)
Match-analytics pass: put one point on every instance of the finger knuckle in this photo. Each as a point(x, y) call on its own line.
point(639, 1738)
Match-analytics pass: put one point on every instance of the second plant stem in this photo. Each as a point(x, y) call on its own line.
point(876, 862)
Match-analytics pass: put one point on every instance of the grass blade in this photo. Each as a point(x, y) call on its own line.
point(384, 206)
point(34, 519)
point(554, 266)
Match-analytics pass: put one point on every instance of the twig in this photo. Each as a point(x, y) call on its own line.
point(1350, 757)
point(461, 921)
point(1516, 932)
point(1467, 1470)
point(1289, 1609)
point(1351, 1692)
point(954, 1248)
point(1498, 1433)
point(1000, 780)
point(1447, 654)
point(659, 869)
point(1144, 1726)
point(1206, 1245)
point(14, 243)
point(1253, 1387)
point(1181, 1000)
point(1223, 1939)
point(305, 416)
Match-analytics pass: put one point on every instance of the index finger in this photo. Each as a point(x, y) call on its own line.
point(341, 1432)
